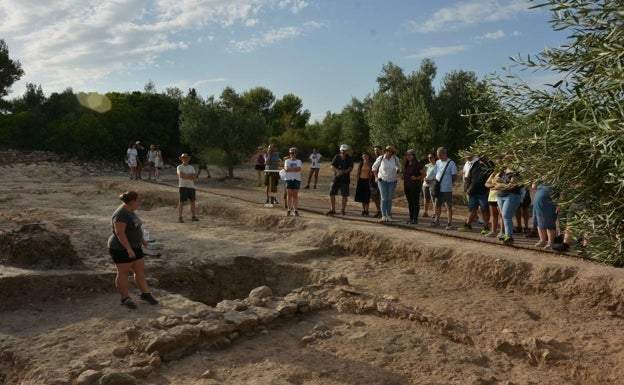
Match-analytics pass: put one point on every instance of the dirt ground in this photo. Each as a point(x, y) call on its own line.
point(526, 317)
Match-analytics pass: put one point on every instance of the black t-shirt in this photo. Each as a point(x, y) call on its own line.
point(341, 163)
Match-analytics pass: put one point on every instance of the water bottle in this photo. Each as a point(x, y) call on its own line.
point(146, 235)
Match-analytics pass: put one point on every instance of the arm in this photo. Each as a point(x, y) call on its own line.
point(120, 232)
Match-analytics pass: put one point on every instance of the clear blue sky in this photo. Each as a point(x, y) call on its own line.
point(323, 51)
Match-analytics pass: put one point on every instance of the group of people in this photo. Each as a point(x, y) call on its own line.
point(492, 189)
point(137, 157)
point(498, 191)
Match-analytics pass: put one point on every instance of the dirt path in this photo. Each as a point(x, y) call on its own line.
point(461, 311)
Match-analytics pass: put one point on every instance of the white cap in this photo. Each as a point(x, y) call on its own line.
point(344, 147)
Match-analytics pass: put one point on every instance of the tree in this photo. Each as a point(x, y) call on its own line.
point(571, 133)
point(454, 101)
point(231, 125)
point(10, 72)
point(355, 131)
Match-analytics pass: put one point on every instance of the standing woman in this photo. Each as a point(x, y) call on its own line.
point(429, 174)
point(124, 246)
point(508, 187)
point(413, 175)
point(386, 169)
point(131, 159)
point(258, 160)
point(292, 166)
point(363, 188)
point(158, 163)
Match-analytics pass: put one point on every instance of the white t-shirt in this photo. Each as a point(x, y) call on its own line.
point(132, 157)
point(316, 160)
point(387, 169)
point(292, 175)
point(182, 182)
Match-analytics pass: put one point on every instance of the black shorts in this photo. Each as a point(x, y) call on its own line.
point(343, 187)
point(151, 164)
point(187, 194)
point(260, 167)
point(121, 256)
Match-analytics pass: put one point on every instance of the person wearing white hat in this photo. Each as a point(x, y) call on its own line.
point(342, 165)
point(186, 183)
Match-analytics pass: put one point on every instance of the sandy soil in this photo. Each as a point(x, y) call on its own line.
point(526, 317)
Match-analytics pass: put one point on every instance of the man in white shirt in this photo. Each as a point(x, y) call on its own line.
point(186, 184)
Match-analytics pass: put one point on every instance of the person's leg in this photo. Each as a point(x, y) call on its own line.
point(510, 207)
point(383, 192)
point(316, 172)
point(506, 214)
point(295, 199)
point(332, 202)
point(391, 188)
point(543, 236)
point(121, 279)
point(310, 177)
point(344, 204)
point(193, 208)
point(438, 209)
point(180, 208)
point(494, 218)
point(416, 197)
point(138, 268)
point(409, 195)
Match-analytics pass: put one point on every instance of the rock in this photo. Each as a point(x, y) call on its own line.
point(122, 351)
point(116, 378)
point(229, 305)
point(88, 377)
point(265, 316)
point(140, 371)
point(261, 292)
point(216, 329)
point(207, 374)
point(244, 322)
point(286, 309)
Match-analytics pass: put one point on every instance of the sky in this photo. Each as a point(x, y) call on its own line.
point(326, 52)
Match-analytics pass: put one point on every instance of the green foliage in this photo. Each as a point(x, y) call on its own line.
point(231, 124)
point(10, 72)
point(571, 134)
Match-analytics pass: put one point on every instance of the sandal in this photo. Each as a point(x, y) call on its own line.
point(148, 298)
point(127, 302)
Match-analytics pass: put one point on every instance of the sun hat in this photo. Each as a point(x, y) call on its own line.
point(185, 156)
point(391, 149)
point(344, 147)
point(411, 151)
point(293, 149)
point(137, 142)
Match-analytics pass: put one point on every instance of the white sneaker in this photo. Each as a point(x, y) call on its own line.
point(384, 219)
point(389, 219)
point(541, 244)
point(547, 247)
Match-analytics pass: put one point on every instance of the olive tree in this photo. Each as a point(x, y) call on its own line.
point(571, 133)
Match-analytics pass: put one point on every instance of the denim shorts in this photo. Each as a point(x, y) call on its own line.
point(293, 184)
point(474, 201)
